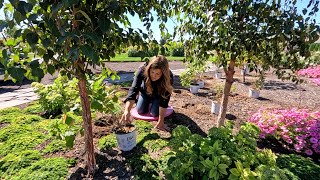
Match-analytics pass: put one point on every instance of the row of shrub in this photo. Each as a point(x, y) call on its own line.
point(177, 52)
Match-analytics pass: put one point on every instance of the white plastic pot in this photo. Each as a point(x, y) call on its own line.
point(254, 93)
point(194, 89)
point(215, 107)
point(218, 75)
point(127, 142)
point(201, 84)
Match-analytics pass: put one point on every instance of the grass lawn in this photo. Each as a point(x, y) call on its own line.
point(124, 58)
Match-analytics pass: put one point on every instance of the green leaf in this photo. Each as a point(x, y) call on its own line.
point(69, 138)
point(3, 25)
point(16, 73)
point(85, 15)
point(18, 17)
point(304, 11)
point(90, 53)
point(96, 105)
point(93, 37)
point(212, 173)
point(51, 69)
point(235, 172)
point(222, 169)
point(104, 23)
point(69, 120)
point(46, 42)
point(32, 38)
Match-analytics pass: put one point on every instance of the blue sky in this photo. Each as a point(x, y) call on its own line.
point(136, 23)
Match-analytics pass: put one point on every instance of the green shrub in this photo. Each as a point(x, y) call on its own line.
point(107, 142)
point(27, 119)
point(55, 146)
point(12, 163)
point(21, 142)
point(302, 167)
point(8, 118)
point(62, 95)
point(144, 167)
point(11, 110)
point(155, 145)
point(35, 108)
point(178, 52)
point(135, 53)
point(51, 168)
point(221, 155)
point(143, 126)
point(14, 130)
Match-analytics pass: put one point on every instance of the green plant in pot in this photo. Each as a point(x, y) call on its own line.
point(126, 135)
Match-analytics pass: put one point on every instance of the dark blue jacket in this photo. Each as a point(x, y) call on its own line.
point(138, 85)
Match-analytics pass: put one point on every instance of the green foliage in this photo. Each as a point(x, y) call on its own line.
point(61, 95)
point(34, 108)
point(179, 52)
point(300, 166)
point(55, 145)
point(229, 28)
point(267, 172)
point(144, 167)
point(220, 155)
point(107, 142)
point(14, 130)
point(155, 145)
point(10, 117)
point(21, 142)
point(143, 126)
point(135, 53)
point(13, 162)
point(11, 110)
point(67, 128)
point(314, 47)
point(51, 168)
point(27, 119)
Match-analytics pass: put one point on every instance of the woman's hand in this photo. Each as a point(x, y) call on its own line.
point(126, 117)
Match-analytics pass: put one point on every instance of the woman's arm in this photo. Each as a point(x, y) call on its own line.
point(160, 124)
point(126, 114)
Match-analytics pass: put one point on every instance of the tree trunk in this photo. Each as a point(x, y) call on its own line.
point(226, 91)
point(86, 116)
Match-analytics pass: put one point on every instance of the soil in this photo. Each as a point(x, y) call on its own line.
point(193, 111)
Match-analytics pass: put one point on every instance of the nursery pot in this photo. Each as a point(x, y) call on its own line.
point(201, 84)
point(215, 107)
point(194, 88)
point(127, 140)
point(218, 75)
point(254, 93)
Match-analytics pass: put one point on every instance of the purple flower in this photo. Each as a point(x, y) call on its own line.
point(313, 140)
point(308, 152)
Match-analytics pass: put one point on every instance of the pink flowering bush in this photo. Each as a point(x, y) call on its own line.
point(299, 128)
point(311, 72)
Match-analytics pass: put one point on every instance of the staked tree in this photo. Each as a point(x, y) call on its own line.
point(270, 33)
point(70, 36)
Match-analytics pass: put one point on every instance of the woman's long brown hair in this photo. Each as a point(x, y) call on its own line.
point(159, 62)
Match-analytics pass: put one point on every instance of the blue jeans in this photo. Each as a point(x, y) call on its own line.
point(143, 105)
